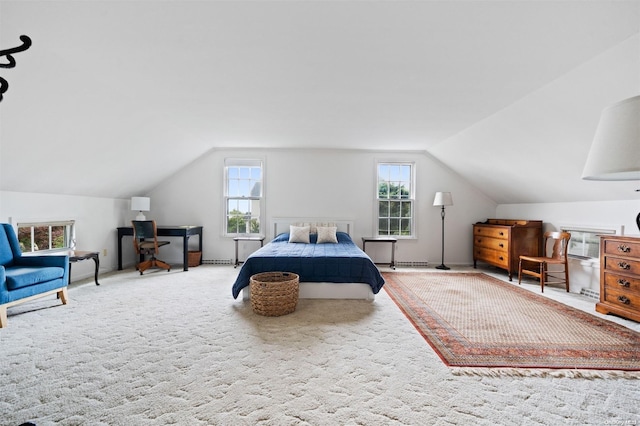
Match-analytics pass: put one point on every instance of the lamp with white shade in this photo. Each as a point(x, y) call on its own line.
point(615, 151)
point(141, 204)
point(443, 199)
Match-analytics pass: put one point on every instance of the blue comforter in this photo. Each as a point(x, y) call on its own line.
point(337, 263)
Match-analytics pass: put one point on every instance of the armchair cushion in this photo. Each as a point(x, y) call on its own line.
point(24, 276)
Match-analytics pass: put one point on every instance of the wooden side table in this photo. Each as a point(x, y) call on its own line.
point(246, 238)
point(78, 256)
point(381, 239)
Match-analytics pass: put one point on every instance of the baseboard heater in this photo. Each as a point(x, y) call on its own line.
point(590, 293)
point(412, 264)
point(217, 262)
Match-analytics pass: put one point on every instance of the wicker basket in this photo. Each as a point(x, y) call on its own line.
point(193, 258)
point(274, 293)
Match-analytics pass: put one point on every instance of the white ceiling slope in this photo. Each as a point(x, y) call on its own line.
point(114, 97)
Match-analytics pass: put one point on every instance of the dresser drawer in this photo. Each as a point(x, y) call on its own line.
point(620, 264)
point(492, 243)
point(621, 282)
point(623, 299)
point(491, 231)
point(491, 256)
point(622, 248)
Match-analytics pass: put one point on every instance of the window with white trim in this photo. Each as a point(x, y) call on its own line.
point(395, 199)
point(244, 203)
point(46, 236)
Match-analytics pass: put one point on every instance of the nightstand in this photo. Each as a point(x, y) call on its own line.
point(246, 238)
point(381, 239)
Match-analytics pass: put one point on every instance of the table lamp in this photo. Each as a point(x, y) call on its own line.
point(141, 204)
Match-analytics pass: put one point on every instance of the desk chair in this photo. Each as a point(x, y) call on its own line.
point(538, 266)
point(145, 241)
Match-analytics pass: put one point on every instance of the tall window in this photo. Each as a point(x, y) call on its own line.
point(243, 196)
point(395, 199)
point(46, 236)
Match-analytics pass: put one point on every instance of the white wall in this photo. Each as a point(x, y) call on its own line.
point(303, 183)
point(603, 215)
point(553, 127)
point(325, 183)
point(96, 222)
point(311, 183)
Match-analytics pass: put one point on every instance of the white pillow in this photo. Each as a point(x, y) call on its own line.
point(299, 234)
point(327, 234)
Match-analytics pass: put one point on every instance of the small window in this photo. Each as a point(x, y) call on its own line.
point(395, 199)
point(585, 242)
point(244, 202)
point(46, 236)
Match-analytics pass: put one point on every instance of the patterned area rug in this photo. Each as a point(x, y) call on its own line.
point(474, 320)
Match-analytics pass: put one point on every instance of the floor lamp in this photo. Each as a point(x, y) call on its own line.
point(443, 199)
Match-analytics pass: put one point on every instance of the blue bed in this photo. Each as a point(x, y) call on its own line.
point(343, 262)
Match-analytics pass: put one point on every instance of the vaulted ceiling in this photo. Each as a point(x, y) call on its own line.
point(114, 97)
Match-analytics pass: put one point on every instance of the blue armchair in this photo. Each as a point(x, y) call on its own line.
point(24, 278)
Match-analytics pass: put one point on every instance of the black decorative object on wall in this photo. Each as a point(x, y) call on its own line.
point(11, 62)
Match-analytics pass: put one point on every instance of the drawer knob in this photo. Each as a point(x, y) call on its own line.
point(624, 265)
point(501, 233)
point(623, 282)
point(501, 258)
point(501, 245)
point(624, 299)
point(623, 248)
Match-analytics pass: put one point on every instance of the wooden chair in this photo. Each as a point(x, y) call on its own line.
point(539, 266)
point(145, 241)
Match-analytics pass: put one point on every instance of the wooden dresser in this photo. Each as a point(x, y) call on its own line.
point(500, 242)
point(620, 276)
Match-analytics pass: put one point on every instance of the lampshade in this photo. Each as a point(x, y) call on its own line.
point(615, 151)
point(443, 199)
point(142, 204)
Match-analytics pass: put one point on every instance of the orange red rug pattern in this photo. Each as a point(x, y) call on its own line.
point(474, 320)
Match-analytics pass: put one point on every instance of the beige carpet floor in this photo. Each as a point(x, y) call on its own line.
point(176, 348)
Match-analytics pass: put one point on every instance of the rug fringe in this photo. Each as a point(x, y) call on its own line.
point(549, 372)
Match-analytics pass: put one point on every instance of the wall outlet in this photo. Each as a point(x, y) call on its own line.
point(104, 252)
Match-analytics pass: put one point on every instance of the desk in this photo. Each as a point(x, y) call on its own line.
point(185, 232)
point(379, 239)
point(246, 238)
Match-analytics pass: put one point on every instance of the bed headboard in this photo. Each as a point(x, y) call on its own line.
point(281, 224)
